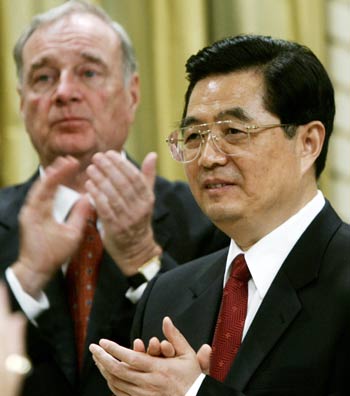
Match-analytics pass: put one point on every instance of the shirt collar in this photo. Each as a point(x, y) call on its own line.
point(265, 257)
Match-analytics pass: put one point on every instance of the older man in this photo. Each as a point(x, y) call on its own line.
point(274, 307)
point(79, 90)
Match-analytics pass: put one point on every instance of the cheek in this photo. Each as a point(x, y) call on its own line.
point(34, 107)
point(191, 172)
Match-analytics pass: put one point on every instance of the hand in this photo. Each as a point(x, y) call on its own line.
point(124, 200)
point(46, 244)
point(165, 349)
point(137, 373)
point(12, 327)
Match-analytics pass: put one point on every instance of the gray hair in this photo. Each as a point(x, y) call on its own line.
point(77, 7)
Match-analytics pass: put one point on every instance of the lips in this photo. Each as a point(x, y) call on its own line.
point(67, 120)
point(216, 184)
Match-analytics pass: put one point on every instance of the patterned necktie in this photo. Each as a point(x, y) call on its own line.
point(229, 327)
point(81, 280)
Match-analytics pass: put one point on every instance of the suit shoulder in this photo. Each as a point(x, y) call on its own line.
point(194, 268)
point(166, 188)
point(12, 197)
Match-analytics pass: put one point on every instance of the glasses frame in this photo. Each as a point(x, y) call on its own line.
point(247, 129)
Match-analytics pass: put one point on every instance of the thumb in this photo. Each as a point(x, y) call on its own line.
point(203, 356)
point(148, 168)
point(175, 337)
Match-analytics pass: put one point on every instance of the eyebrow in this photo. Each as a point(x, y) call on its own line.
point(40, 63)
point(47, 60)
point(93, 58)
point(236, 112)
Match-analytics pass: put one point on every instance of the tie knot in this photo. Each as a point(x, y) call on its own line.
point(240, 269)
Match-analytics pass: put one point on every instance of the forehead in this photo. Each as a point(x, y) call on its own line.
point(72, 34)
point(241, 89)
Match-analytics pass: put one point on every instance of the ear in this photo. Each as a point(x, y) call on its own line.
point(311, 138)
point(134, 94)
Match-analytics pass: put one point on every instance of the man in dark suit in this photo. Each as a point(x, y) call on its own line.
point(257, 121)
point(79, 90)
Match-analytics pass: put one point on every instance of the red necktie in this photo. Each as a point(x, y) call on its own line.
point(81, 280)
point(229, 326)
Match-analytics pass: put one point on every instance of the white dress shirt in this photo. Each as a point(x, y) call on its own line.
point(265, 258)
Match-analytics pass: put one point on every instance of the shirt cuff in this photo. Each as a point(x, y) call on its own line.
point(31, 307)
point(196, 385)
point(149, 270)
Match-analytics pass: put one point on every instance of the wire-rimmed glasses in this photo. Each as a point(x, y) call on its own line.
point(230, 137)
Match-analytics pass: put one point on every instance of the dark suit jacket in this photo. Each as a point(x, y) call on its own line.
point(179, 227)
point(298, 343)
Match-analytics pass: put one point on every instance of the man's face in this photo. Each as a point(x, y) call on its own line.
point(250, 194)
point(73, 96)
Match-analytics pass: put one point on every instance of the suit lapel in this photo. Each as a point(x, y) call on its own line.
point(281, 304)
point(197, 320)
point(277, 312)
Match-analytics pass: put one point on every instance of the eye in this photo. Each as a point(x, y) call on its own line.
point(191, 135)
point(90, 73)
point(232, 131)
point(43, 79)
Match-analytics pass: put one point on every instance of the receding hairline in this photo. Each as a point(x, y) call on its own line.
point(68, 10)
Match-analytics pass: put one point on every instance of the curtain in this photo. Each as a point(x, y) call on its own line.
point(165, 33)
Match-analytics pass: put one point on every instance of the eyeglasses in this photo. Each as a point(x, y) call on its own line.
point(230, 138)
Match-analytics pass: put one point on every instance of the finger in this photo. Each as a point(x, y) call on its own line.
point(105, 213)
point(136, 360)
point(79, 213)
point(175, 337)
point(62, 170)
point(153, 348)
point(167, 349)
point(139, 346)
point(203, 356)
point(111, 178)
point(4, 301)
point(131, 182)
point(18, 327)
point(104, 360)
point(148, 168)
point(119, 375)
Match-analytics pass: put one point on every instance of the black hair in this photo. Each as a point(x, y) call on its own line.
point(297, 87)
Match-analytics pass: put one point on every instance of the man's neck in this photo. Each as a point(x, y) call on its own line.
point(246, 232)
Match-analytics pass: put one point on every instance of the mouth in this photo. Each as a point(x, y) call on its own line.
point(216, 185)
point(70, 120)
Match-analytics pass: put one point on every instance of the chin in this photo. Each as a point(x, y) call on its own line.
point(221, 213)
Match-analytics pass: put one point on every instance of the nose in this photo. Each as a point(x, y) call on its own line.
point(67, 90)
point(210, 154)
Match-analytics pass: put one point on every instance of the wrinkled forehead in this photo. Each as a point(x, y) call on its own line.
point(73, 31)
point(70, 40)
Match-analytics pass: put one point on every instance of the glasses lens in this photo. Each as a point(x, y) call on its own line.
point(227, 136)
point(182, 147)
